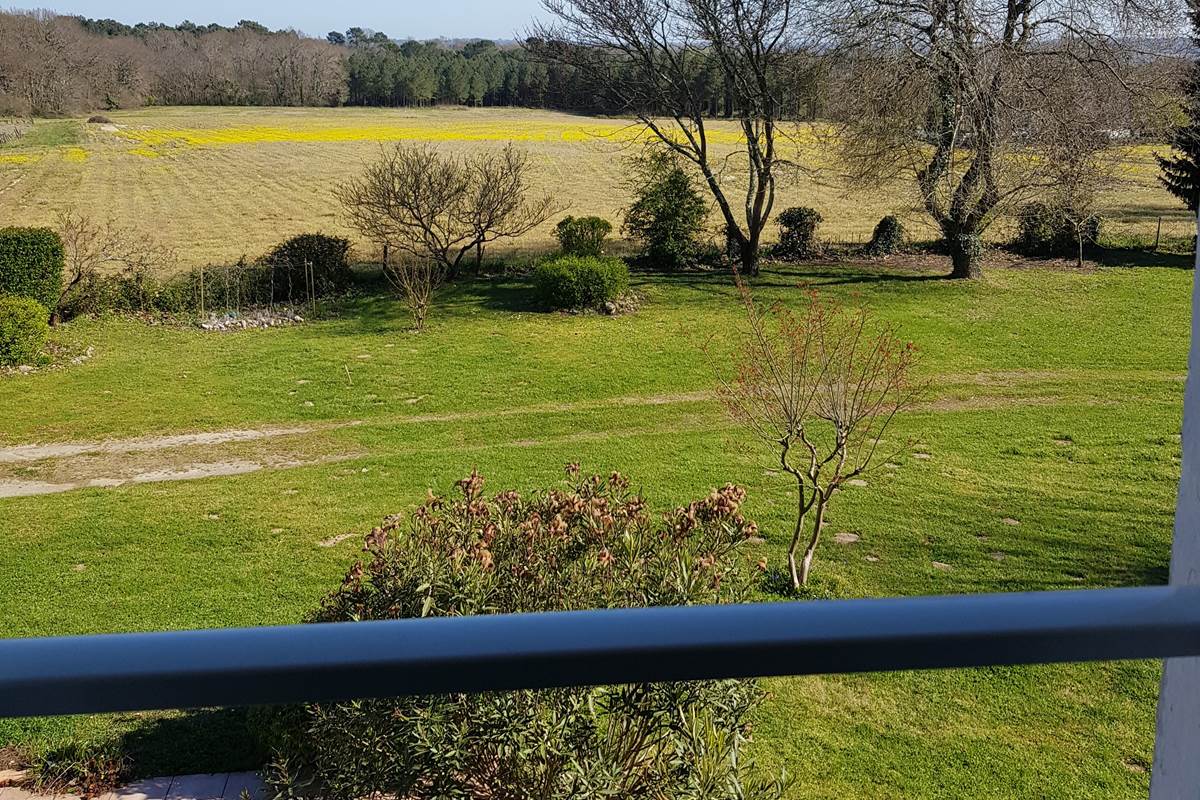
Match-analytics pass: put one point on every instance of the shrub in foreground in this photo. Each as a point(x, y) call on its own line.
point(579, 282)
point(582, 236)
point(888, 237)
point(593, 544)
point(798, 232)
point(24, 325)
point(31, 264)
point(1043, 230)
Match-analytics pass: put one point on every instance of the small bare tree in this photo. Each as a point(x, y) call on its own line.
point(417, 280)
point(90, 247)
point(440, 207)
point(820, 389)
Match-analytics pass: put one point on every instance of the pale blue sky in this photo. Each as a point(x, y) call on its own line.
point(419, 19)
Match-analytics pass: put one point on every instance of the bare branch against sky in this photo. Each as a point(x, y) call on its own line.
point(401, 19)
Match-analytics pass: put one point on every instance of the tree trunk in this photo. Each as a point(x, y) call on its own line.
point(810, 552)
point(966, 255)
point(801, 512)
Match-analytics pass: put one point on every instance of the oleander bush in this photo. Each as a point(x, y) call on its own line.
point(591, 544)
point(579, 282)
point(24, 325)
point(31, 264)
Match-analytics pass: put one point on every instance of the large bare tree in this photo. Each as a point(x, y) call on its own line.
point(952, 94)
point(659, 60)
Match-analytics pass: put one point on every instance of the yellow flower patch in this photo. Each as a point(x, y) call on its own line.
point(16, 158)
point(531, 132)
point(75, 155)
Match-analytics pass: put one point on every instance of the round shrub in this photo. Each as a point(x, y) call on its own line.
point(888, 237)
point(798, 232)
point(24, 325)
point(582, 236)
point(31, 264)
point(579, 282)
point(590, 544)
point(99, 119)
point(327, 270)
point(1043, 230)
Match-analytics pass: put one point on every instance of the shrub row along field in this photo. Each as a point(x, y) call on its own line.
point(219, 183)
point(1047, 458)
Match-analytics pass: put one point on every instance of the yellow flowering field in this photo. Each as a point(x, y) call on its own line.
point(219, 183)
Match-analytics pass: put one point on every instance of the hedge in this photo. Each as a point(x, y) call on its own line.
point(31, 264)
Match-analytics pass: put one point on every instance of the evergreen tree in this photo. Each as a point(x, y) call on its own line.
point(1181, 170)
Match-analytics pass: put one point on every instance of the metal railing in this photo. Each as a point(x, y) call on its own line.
point(250, 666)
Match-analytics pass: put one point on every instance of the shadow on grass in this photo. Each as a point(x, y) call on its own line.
point(210, 740)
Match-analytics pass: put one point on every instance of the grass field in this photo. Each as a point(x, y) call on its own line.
point(1055, 403)
point(219, 183)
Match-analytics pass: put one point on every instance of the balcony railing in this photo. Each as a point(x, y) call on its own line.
point(188, 669)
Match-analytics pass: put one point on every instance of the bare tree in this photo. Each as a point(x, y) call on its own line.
point(416, 280)
point(658, 60)
point(820, 389)
point(90, 247)
point(950, 94)
point(440, 207)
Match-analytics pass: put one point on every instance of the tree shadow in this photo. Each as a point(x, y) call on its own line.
point(1136, 257)
point(205, 740)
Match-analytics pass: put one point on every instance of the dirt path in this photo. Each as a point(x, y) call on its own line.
point(50, 468)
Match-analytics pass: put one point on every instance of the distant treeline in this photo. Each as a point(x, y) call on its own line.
point(53, 65)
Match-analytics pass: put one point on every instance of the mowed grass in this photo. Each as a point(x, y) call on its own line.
point(1055, 402)
point(219, 183)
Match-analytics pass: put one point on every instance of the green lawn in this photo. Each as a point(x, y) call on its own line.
point(1056, 401)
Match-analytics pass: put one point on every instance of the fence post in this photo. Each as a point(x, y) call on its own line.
point(1176, 773)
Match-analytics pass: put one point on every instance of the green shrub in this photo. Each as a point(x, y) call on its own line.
point(798, 233)
point(592, 544)
point(328, 274)
point(582, 236)
point(31, 264)
point(1045, 231)
point(668, 212)
point(579, 282)
point(888, 237)
point(24, 325)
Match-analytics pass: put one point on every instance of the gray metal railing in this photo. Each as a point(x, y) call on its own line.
point(250, 666)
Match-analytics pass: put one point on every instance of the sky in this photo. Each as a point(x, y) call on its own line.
point(400, 19)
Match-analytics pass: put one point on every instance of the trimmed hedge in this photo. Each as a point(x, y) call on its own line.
point(888, 237)
point(582, 236)
point(1043, 230)
point(579, 282)
point(31, 264)
point(798, 232)
point(24, 325)
point(329, 257)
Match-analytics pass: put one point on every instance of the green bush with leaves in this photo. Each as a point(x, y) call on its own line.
point(24, 325)
point(1046, 231)
point(579, 282)
point(309, 262)
point(668, 211)
point(31, 264)
point(798, 233)
point(592, 544)
point(582, 236)
point(888, 237)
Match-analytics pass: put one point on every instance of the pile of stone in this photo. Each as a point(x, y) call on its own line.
point(257, 319)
